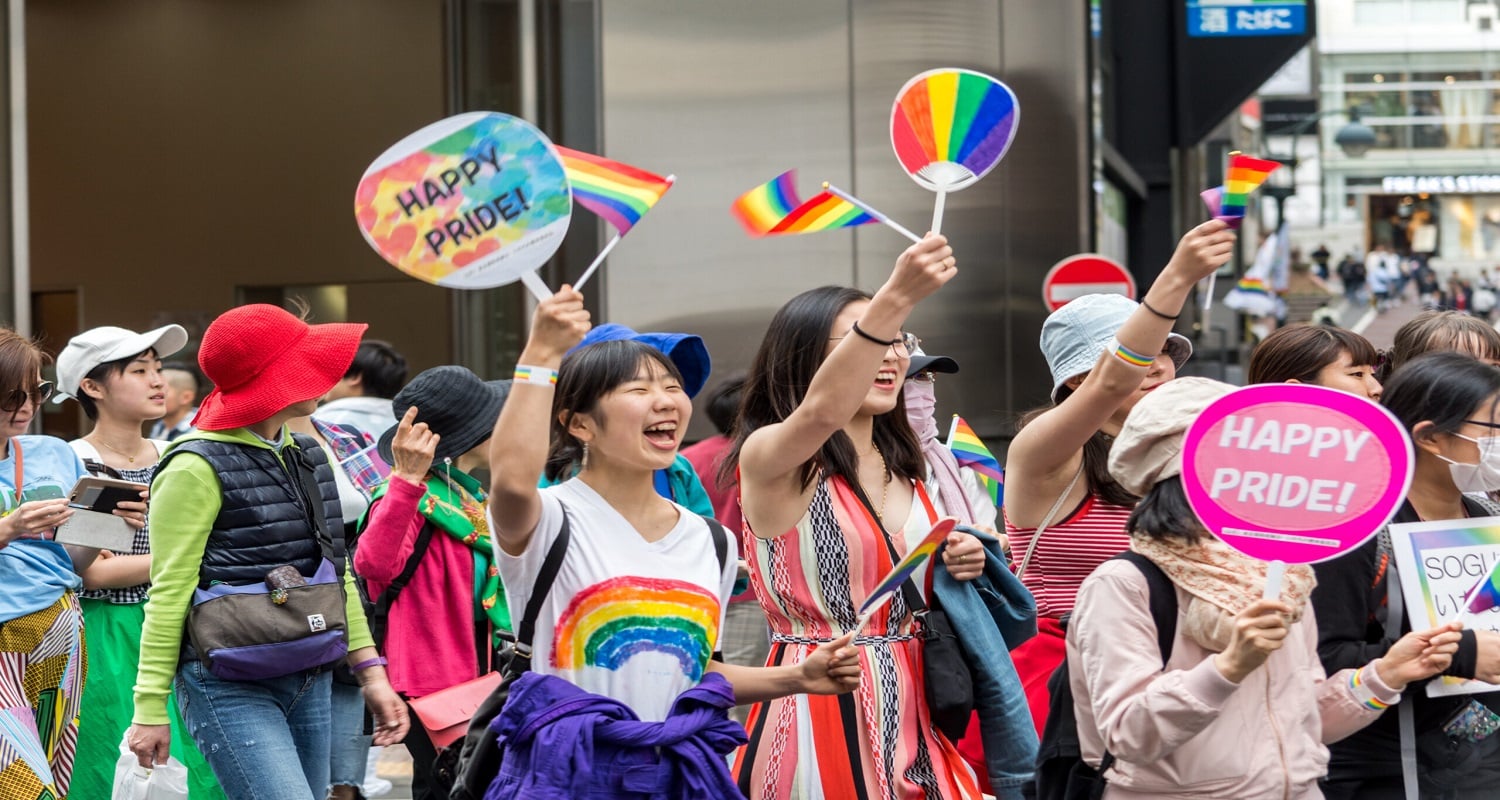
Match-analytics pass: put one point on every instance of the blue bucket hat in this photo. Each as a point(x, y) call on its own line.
point(686, 350)
point(1074, 336)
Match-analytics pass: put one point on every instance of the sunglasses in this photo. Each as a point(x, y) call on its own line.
point(18, 397)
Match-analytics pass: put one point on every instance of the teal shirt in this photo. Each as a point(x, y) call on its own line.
point(35, 572)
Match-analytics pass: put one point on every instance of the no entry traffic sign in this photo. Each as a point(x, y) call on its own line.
point(1087, 273)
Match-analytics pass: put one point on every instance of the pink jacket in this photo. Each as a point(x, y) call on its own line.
point(1189, 732)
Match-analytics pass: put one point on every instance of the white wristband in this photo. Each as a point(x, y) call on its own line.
point(541, 376)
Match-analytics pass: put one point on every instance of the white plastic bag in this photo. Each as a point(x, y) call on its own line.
point(134, 782)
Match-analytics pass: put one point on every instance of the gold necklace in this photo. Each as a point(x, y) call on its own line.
point(885, 486)
point(128, 457)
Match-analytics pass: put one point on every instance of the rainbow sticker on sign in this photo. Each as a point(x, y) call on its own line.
point(611, 622)
point(470, 202)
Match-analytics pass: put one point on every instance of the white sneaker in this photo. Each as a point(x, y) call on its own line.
point(375, 786)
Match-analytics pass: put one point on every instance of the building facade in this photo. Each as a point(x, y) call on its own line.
point(1425, 76)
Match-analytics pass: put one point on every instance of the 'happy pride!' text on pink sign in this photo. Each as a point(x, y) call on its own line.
point(1293, 472)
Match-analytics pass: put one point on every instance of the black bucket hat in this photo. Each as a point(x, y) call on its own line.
point(455, 404)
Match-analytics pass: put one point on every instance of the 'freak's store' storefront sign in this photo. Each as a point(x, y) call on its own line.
point(1441, 184)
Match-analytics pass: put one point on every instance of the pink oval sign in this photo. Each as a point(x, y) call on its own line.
point(1295, 473)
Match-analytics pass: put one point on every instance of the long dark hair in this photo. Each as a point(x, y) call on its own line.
point(1095, 459)
point(585, 377)
point(1443, 388)
point(789, 357)
point(1300, 352)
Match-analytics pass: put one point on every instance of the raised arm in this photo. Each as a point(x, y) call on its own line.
point(518, 448)
point(772, 456)
point(1045, 454)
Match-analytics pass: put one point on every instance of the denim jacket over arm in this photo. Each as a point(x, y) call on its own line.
point(980, 611)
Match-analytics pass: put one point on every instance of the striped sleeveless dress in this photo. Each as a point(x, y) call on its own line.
point(876, 743)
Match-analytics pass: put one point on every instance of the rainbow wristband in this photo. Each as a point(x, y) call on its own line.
point(541, 376)
point(1362, 693)
point(1129, 356)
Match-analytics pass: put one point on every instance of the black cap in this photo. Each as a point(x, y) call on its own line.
point(921, 364)
point(455, 403)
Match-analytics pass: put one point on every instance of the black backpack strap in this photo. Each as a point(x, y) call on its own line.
point(332, 546)
point(380, 610)
point(721, 542)
point(909, 591)
point(539, 590)
point(1163, 602)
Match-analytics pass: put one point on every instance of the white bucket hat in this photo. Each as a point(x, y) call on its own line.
point(98, 346)
point(1073, 336)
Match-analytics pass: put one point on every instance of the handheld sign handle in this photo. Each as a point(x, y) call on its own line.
point(536, 285)
point(1275, 570)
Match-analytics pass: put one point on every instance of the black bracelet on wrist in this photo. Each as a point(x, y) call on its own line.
point(861, 333)
point(1148, 307)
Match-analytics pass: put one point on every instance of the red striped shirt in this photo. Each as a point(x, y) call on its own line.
point(1069, 551)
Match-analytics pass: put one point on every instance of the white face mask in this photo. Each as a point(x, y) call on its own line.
point(1478, 478)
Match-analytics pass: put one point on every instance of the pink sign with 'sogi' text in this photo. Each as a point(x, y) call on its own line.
point(1295, 473)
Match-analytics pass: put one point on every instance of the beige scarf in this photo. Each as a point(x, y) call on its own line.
point(1221, 583)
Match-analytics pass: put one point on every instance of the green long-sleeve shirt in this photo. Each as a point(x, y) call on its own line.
point(185, 501)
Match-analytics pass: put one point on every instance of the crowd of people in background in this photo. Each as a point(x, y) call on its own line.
point(692, 616)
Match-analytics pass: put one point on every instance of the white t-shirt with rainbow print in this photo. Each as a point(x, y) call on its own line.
point(627, 618)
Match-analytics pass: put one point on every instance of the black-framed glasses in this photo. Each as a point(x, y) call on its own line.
point(905, 345)
point(17, 397)
point(1483, 424)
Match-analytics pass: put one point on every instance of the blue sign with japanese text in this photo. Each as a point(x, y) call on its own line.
point(1246, 17)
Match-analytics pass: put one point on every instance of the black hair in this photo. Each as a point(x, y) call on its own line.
point(1444, 388)
point(102, 374)
point(790, 355)
point(724, 402)
point(381, 370)
point(586, 376)
point(1164, 513)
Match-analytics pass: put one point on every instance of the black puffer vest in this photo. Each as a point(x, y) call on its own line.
point(263, 519)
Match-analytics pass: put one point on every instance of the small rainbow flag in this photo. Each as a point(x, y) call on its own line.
point(1246, 174)
point(891, 583)
point(1486, 594)
point(619, 193)
point(969, 451)
point(772, 209)
point(765, 206)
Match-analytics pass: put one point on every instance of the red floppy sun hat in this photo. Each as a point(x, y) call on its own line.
point(263, 359)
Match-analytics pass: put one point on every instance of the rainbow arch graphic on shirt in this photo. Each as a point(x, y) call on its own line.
point(611, 622)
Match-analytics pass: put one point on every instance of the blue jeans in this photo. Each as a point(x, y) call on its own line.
point(264, 740)
point(350, 745)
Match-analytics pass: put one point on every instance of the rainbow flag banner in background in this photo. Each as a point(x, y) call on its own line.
point(773, 209)
point(619, 193)
point(969, 451)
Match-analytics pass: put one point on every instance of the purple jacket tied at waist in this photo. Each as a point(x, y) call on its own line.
point(563, 742)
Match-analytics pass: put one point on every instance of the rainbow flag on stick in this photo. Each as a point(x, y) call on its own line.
point(1245, 175)
point(619, 193)
point(924, 550)
point(969, 451)
point(773, 209)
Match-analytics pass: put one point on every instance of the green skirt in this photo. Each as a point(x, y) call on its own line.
point(113, 633)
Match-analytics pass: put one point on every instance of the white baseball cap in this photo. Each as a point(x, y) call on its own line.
point(98, 346)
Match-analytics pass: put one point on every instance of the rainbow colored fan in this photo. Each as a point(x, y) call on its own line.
point(949, 127)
